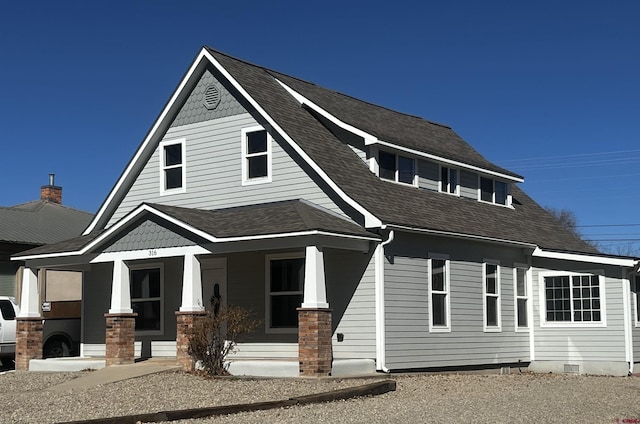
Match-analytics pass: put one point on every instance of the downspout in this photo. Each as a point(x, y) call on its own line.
point(379, 295)
point(628, 317)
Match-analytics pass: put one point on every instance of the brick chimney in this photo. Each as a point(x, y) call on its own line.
point(51, 192)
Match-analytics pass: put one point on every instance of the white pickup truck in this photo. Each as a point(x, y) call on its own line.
point(8, 311)
point(61, 337)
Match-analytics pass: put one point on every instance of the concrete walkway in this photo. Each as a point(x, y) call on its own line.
point(115, 373)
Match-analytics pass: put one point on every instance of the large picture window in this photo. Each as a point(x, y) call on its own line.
point(491, 294)
point(573, 298)
point(146, 298)
point(172, 166)
point(285, 284)
point(439, 295)
point(256, 156)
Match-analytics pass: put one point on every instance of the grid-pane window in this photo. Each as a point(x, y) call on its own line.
point(439, 293)
point(256, 155)
point(491, 296)
point(522, 298)
point(146, 298)
point(574, 298)
point(449, 180)
point(286, 279)
point(172, 163)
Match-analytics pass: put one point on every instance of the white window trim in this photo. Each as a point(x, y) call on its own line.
point(509, 203)
point(159, 265)
point(267, 278)
point(244, 168)
point(527, 297)
point(444, 190)
point(571, 324)
point(396, 176)
point(493, 328)
point(447, 293)
point(183, 188)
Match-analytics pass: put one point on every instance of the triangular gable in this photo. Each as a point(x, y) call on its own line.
point(184, 90)
point(149, 234)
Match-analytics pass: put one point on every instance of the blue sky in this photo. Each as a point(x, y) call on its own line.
point(548, 89)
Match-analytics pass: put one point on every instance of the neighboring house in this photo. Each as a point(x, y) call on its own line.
point(363, 237)
point(33, 224)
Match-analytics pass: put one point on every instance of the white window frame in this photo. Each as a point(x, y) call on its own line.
point(572, 324)
point(267, 277)
point(396, 177)
point(245, 156)
point(508, 204)
point(441, 186)
point(527, 297)
point(182, 189)
point(447, 292)
point(498, 327)
point(158, 265)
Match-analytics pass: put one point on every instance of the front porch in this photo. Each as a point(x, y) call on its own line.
point(141, 294)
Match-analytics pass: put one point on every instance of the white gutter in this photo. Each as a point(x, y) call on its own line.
point(578, 257)
point(370, 139)
point(379, 298)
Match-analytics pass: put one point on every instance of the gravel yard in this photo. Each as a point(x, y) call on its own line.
point(419, 398)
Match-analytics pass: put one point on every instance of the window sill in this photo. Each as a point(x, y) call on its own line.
point(493, 329)
point(522, 329)
point(256, 181)
point(173, 191)
point(573, 325)
point(440, 330)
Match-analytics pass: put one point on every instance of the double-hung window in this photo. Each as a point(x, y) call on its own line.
point(494, 191)
point(172, 166)
point(573, 298)
point(396, 168)
point(146, 298)
point(285, 282)
point(256, 156)
point(448, 180)
point(491, 295)
point(521, 290)
point(439, 298)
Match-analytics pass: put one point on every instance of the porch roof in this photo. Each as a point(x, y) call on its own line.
point(287, 218)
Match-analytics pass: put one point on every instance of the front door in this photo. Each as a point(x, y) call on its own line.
point(214, 283)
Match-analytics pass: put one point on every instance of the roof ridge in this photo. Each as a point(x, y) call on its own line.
point(272, 71)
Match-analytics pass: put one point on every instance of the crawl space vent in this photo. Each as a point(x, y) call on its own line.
point(211, 97)
point(571, 368)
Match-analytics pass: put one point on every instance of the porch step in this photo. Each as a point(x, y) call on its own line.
point(66, 364)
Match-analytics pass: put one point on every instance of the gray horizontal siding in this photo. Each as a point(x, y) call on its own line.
point(214, 179)
point(408, 341)
point(574, 343)
point(428, 175)
point(469, 184)
point(8, 272)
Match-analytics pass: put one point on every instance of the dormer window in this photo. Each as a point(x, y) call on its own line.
point(397, 168)
point(448, 180)
point(256, 156)
point(172, 166)
point(494, 191)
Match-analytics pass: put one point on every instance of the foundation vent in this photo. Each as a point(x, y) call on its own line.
point(211, 97)
point(572, 368)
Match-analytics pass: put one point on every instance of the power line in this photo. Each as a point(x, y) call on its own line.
point(608, 225)
point(571, 156)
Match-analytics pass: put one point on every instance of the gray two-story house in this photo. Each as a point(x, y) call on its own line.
point(365, 239)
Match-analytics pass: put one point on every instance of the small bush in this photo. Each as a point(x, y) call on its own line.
point(215, 336)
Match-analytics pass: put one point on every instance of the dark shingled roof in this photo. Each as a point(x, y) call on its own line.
point(290, 216)
point(394, 203)
point(41, 222)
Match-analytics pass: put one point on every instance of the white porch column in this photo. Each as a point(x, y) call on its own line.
point(191, 285)
point(315, 294)
point(30, 297)
point(120, 292)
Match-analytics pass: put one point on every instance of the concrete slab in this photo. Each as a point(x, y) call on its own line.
point(66, 364)
point(115, 373)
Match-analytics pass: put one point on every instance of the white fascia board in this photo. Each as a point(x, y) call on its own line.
point(47, 255)
point(451, 162)
point(150, 136)
point(168, 252)
point(370, 219)
point(372, 139)
point(463, 236)
point(577, 257)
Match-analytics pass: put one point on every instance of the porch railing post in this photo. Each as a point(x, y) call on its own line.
point(191, 285)
point(28, 322)
point(120, 321)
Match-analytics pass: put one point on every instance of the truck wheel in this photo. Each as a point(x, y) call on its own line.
point(56, 348)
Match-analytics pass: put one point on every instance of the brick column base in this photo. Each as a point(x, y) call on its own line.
point(315, 352)
point(28, 341)
point(185, 322)
point(120, 338)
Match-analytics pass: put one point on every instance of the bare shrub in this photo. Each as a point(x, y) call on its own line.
point(214, 337)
